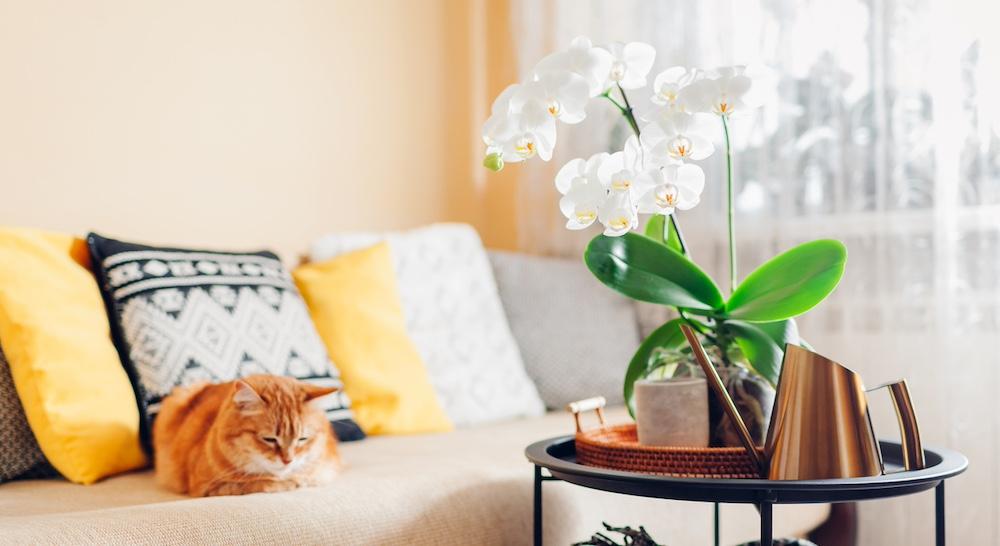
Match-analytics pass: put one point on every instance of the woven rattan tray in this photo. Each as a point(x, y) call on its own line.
point(617, 448)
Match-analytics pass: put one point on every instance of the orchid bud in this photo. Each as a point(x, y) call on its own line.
point(493, 162)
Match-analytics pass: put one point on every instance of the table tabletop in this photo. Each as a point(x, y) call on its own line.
point(558, 456)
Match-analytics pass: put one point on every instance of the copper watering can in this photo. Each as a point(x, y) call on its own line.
point(820, 426)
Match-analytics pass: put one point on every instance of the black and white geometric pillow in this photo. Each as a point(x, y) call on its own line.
point(20, 456)
point(185, 316)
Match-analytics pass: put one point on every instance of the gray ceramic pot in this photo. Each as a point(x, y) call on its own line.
point(672, 412)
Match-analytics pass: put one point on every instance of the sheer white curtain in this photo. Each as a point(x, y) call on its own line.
point(886, 135)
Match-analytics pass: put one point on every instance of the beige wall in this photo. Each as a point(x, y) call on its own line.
point(247, 123)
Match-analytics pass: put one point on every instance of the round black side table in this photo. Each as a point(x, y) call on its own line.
point(558, 457)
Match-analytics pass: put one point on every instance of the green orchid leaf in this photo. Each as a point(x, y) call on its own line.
point(667, 336)
point(782, 332)
point(654, 228)
point(789, 284)
point(645, 270)
point(660, 229)
point(759, 347)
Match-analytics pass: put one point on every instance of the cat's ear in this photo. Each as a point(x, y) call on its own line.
point(245, 398)
point(315, 391)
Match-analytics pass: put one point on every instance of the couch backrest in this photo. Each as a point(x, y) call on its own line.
point(576, 336)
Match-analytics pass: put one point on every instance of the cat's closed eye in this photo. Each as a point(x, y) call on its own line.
point(269, 440)
point(303, 439)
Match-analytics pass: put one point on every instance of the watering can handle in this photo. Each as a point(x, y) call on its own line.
point(909, 432)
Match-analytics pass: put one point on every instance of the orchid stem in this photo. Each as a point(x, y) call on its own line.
point(627, 110)
point(616, 103)
point(730, 210)
point(677, 230)
point(700, 327)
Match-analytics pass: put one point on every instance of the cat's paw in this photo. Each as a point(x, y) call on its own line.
point(279, 486)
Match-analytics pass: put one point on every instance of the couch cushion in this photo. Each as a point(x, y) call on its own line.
point(54, 330)
point(576, 335)
point(185, 316)
point(19, 451)
point(472, 486)
point(455, 318)
point(355, 304)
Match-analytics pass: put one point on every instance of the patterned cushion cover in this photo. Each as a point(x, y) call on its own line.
point(184, 316)
point(454, 317)
point(20, 456)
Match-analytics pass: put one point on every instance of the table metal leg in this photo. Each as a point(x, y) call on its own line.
point(939, 514)
point(715, 516)
point(538, 506)
point(766, 538)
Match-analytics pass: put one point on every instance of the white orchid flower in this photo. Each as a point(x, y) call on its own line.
point(582, 203)
point(621, 174)
point(722, 93)
point(563, 94)
point(668, 84)
point(677, 136)
point(501, 104)
point(534, 134)
point(618, 214)
point(631, 64)
point(583, 59)
point(619, 170)
point(500, 124)
point(603, 188)
point(582, 190)
point(519, 131)
point(578, 168)
point(672, 187)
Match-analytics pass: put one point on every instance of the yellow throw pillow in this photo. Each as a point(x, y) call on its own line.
point(355, 305)
point(55, 333)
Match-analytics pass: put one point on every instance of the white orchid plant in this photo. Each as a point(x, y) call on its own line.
point(657, 173)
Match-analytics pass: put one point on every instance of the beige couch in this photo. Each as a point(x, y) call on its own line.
point(473, 486)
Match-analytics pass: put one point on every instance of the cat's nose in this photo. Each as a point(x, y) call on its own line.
point(286, 458)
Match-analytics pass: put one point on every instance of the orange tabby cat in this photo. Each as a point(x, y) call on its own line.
point(252, 435)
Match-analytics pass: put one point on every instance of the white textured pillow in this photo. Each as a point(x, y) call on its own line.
point(455, 318)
